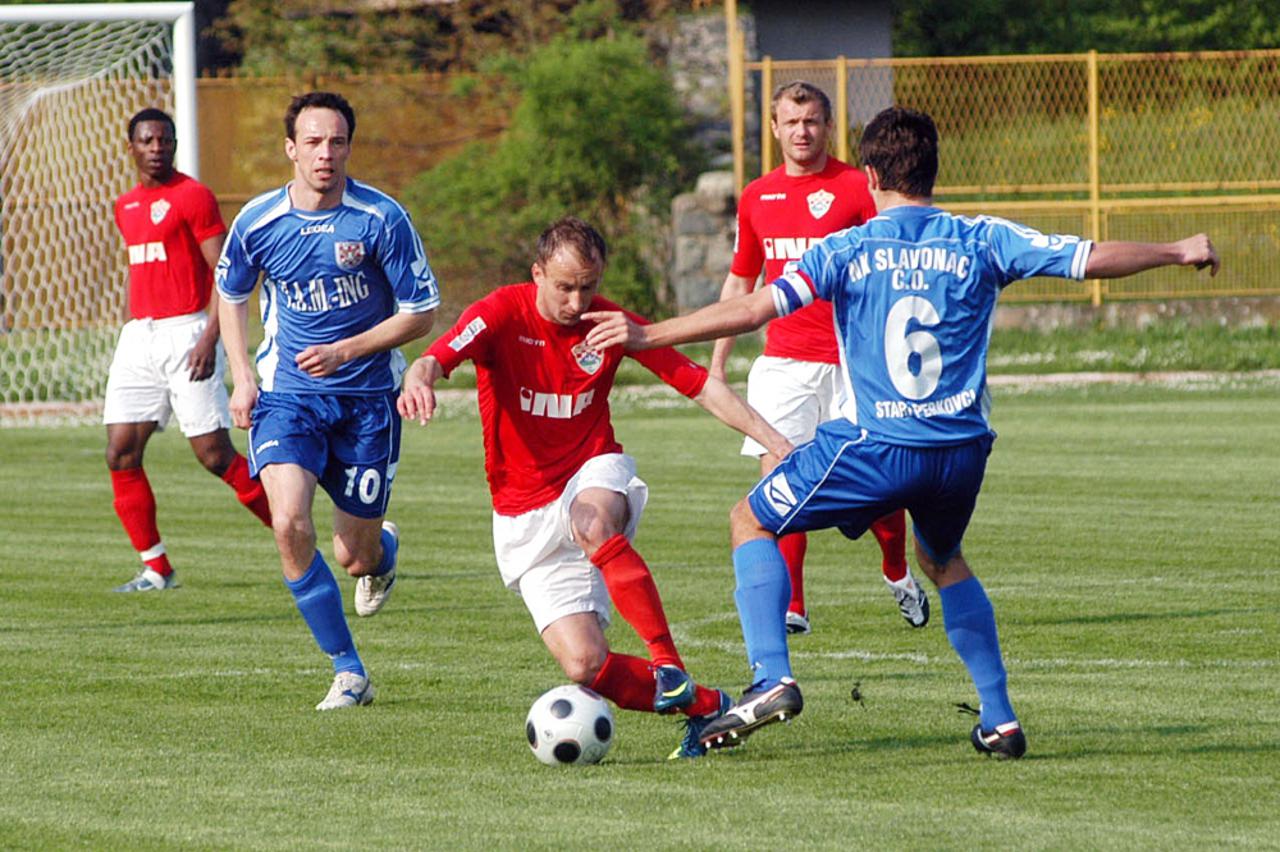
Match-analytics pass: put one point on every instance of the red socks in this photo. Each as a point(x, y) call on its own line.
point(628, 682)
point(793, 547)
point(635, 596)
point(891, 532)
point(135, 505)
point(249, 491)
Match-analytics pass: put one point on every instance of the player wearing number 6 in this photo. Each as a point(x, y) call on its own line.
point(914, 293)
point(345, 282)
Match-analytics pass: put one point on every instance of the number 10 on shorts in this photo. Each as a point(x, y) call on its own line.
point(366, 486)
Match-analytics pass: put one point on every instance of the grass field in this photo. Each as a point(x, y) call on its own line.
point(1128, 538)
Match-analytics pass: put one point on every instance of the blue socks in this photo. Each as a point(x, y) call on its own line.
point(320, 601)
point(762, 595)
point(390, 546)
point(971, 629)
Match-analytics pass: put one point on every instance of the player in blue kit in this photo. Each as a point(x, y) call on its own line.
point(345, 282)
point(914, 292)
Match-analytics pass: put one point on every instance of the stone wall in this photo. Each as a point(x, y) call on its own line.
point(698, 61)
point(702, 223)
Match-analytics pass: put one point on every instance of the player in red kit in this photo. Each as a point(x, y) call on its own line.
point(167, 361)
point(566, 498)
point(796, 383)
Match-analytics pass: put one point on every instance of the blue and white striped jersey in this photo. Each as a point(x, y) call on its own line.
point(329, 275)
point(914, 292)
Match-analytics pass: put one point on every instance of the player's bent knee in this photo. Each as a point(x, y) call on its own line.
point(743, 523)
point(582, 667)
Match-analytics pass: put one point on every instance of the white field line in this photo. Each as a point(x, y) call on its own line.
point(686, 640)
point(452, 400)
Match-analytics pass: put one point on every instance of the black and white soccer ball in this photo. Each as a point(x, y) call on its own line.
point(569, 725)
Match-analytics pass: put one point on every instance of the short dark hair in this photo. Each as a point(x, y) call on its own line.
point(574, 233)
point(151, 114)
point(319, 100)
point(800, 92)
point(902, 146)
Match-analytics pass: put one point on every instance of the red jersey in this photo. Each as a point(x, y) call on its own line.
point(543, 396)
point(162, 229)
point(779, 217)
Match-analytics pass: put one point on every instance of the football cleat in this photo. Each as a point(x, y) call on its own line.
point(913, 603)
point(1005, 742)
point(759, 706)
point(372, 592)
point(691, 744)
point(348, 690)
point(797, 623)
point(673, 689)
point(149, 580)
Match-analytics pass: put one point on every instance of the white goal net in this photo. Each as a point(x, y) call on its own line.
point(70, 78)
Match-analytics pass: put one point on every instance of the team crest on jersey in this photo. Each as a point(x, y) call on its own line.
point(159, 209)
point(348, 253)
point(820, 203)
point(588, 359)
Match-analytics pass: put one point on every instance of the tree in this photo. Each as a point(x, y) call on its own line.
point(986, 27)
point(365, 36)
point(596, 131)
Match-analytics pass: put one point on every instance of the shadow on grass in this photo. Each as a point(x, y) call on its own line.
point(1123, 617)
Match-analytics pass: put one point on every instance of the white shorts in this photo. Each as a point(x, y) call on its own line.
point(795, 397)
point(540, 561)
point(149, 378)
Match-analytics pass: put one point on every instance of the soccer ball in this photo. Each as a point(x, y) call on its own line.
point(569, 725)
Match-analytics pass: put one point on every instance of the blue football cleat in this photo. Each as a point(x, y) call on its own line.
point(673, 689)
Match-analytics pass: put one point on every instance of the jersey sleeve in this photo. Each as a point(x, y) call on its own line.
point(1018, 252)
point(203, 214)
point(236, 274)
point(670, 365)
point(471, 338)
point(404, 262)
point(748, 256)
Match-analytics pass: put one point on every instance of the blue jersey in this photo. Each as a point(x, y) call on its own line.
point(914, 293)
point(329, 275)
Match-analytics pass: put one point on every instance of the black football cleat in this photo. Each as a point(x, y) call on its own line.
point(1005, 742)
point(757, 707)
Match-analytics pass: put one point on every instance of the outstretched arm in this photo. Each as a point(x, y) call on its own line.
point(1118, 259)
point(732, 410)
point(418, 394)
point(743, 313)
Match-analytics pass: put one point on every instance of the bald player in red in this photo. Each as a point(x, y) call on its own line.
point(566, 498)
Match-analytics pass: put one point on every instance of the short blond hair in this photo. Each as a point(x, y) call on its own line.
point(800, 92)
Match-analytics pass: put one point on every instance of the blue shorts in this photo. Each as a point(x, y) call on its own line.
point(844, 479)
point(351, 443)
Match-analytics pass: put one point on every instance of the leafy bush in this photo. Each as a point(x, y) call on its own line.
point(596, 132)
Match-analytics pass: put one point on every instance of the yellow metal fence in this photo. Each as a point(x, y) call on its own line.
point(1110, 146)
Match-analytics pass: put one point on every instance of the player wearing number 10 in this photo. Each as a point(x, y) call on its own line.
point(346, 282)
point(914, 293)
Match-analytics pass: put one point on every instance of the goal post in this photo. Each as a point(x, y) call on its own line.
point(71, 75)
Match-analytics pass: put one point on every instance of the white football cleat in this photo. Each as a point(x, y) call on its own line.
point(913, 603)
point(798, 623)
point(372, 592)
point(149, 580)
point(349, 690)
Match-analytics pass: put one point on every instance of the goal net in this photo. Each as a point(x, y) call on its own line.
point(70, 78)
